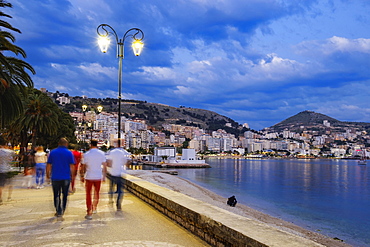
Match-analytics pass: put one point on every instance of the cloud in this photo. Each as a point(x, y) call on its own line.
point(62, 52)
point(156, 73)
point(89, 10)
point(334, 45)
point(95, 69)
point(257, 61)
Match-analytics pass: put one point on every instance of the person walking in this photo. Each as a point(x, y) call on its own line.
point(59, 167)
point(28, 177)
point(40, 167)
point(117, 159)
point(6, 157)
point(77, 155)
point(93, 171)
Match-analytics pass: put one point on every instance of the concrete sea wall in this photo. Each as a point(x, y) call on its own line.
point(216, 226)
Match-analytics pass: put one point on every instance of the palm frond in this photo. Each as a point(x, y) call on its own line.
point(10, 105)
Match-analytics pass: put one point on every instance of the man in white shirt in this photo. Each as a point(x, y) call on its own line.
point(93, 171)
point(116, 160)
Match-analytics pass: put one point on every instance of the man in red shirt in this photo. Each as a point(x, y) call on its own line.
point(77, 155)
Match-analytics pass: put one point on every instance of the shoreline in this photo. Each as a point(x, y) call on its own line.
point(171, 165)
point(193, 190)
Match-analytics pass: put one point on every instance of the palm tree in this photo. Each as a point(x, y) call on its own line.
point(39, 117)
point(13, 74)
point(43, 123)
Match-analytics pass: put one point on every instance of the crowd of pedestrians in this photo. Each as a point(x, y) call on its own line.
point(60, 167)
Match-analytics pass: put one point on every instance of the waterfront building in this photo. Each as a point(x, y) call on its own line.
point(164, 153)
point(195, 144)
point(255, 147)
point(226, 144)
point(338, 152)
point(214, 144)
point(198, 144)
point(136, 134)
point(240, 151)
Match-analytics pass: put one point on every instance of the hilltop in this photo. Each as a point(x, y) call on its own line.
point(312, 121)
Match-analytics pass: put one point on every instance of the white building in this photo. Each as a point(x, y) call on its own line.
point(161, 152)
point(326, 123)
point(134, 126)
point(338, 152)
point(63, 100)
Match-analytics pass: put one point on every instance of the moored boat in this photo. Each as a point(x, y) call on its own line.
point(362, 161)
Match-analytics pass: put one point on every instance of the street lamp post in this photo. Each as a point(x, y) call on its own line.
point(104, 30)
point(84, 108)
point(89, 124)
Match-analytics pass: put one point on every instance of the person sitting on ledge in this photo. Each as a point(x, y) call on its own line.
point(231, 201)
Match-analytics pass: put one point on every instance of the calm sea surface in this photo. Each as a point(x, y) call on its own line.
point(329, 196)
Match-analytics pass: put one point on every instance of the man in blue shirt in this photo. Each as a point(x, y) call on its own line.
point(60, 165)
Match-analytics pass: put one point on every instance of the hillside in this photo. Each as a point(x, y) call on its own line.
point(157, 114)
point(309, 120)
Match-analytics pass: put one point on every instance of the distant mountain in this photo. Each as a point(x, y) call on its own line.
point(310, 120)
point(305, 118)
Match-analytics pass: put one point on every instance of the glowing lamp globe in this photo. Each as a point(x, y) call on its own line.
point(103, 42)
point(137, 47)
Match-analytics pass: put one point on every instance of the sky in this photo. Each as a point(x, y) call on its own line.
point(254, 61)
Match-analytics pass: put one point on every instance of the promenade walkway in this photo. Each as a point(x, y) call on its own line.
point(28, 220)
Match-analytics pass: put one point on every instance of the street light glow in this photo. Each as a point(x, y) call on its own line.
point(137, 47)
point(104, 42)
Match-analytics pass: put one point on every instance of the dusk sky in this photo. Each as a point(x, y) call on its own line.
point(255, 61)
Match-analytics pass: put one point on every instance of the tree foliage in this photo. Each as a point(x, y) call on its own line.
point(42, 123)
point(14, 75)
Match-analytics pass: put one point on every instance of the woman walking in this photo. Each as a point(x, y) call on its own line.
point(40, 160)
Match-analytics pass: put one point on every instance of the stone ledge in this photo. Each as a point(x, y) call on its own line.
point(215, 225)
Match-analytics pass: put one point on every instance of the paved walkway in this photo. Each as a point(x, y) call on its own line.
point(28, 220)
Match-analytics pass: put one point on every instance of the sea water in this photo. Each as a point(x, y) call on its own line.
point(325, 195)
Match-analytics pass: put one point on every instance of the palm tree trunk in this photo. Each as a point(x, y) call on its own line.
point(34, 138)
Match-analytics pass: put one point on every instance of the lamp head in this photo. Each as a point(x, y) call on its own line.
point(100, 108)
point(103, 42)
point(84, 107)
point(137, 47)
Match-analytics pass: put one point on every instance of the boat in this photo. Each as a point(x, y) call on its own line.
point(362, 160)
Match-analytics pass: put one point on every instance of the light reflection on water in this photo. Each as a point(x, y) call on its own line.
point(330, 195)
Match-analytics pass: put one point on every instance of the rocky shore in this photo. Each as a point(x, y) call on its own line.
point(186, 187)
